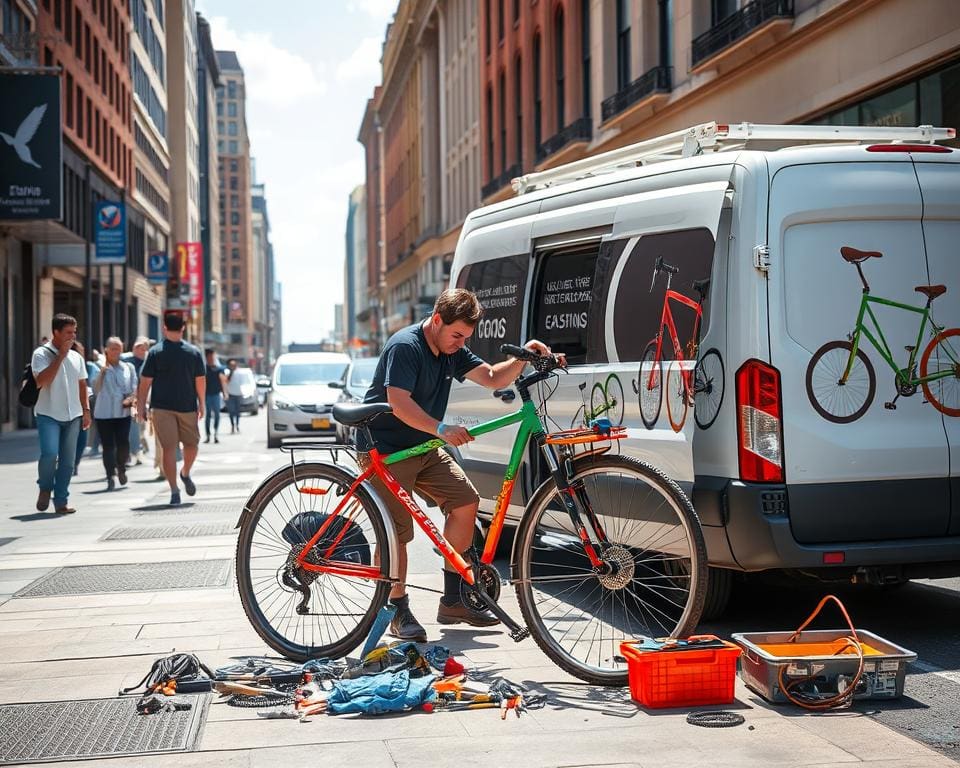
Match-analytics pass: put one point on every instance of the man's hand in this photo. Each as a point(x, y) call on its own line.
point(199, 410)
point(141, 411)
point(542, 349)
point(85, 421)
point(64, 347)
point(454, 435)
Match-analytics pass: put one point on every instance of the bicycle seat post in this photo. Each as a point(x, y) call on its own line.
point(866, 286)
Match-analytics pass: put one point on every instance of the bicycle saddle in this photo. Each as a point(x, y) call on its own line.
point(854, 256)
point(356, 414)
point(701, 286)
point(931, 291)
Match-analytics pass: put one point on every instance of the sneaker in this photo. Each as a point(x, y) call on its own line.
point(43, 501)
point(122, 475)
point(174, 498)
point(458, 613)
point(64, 510)
point(111, 484)
point(216, 439)
point(208, 439)
point(188, 485)
point(404, 625)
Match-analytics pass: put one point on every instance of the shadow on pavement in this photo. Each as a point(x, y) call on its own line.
point(37, 516)
point(159, 507)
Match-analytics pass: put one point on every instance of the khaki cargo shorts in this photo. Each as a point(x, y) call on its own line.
point(434, 474)
point(173, 427)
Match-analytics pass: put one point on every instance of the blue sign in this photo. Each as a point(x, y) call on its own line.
point(110, 233)
point(158, 267)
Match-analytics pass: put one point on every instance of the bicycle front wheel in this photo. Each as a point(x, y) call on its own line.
point(677, 399)
point(941, 358)
point(614, 390)
point(654, 580)
point(650, 386)
point(840, 401)
point(707, 389)
point(304, 614)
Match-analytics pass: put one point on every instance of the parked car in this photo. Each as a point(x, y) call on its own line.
point(263, 387)
point(770, 247)
point(248, 391)
point(305, 386)
point(356, 382)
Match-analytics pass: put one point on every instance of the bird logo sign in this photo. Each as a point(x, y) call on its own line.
point(20, 141)
point(109, 217)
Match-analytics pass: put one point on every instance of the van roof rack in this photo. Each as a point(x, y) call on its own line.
point(716, 137)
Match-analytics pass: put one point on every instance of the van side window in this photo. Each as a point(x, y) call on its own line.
point(638, 309)
point(562, 311)
point(500, 285)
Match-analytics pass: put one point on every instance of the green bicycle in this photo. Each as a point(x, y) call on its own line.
point(840, 378)
point(608, 547)
point(606, 399)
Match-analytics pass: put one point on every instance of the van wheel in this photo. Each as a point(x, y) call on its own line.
point(719, 590)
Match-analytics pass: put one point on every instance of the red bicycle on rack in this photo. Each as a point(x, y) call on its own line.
point(700, 386)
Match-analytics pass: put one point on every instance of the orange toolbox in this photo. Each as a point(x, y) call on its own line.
point(692, 672)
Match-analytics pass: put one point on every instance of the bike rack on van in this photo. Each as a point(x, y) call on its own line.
point(719, 137)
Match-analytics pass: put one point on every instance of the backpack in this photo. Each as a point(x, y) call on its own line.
point(29, 391)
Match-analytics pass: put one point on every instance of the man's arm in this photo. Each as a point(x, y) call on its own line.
point(411, 414)
point(48, 374)
point(223, 385)
point(505, 373)
point(85, 404)
point(200, 382)
point(144, 387)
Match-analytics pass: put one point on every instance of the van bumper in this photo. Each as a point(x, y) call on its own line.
point(756, 522)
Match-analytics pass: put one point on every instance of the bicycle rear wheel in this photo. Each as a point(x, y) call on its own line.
point(943, 393)
point(284, 514)
point(657, 578)
point(649, 386)
point(677, 398)
point(707, 389)
point(614, 390)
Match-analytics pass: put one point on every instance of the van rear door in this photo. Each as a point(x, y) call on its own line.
point(883, 476)
point(939, 177)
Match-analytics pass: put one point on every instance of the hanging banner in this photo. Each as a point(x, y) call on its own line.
point(190, 259)
point(31, 174)
point(109, 233)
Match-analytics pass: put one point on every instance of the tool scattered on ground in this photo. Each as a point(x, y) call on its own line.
point(151, 704)
point(718, 719)
point(189, 674)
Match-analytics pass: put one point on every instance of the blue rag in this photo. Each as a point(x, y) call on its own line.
point(379, 694)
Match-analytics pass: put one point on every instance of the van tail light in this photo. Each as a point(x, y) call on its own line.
point(759, 425)
point(933, 148)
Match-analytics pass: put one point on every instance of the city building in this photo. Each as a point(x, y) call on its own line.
point(235, 211)
point(208, 79)
point(422, 135)
point(263, 279)
point(575, 77)
point(356, 292)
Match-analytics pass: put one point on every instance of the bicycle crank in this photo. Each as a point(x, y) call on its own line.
point(475, 597)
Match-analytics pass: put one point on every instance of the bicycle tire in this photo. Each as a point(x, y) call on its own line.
point(598, 403)
point(614, 391)
point(264, 596)
point(949, 386)
point(708, 388)
point(676, 387)
point(661, 506)
point(649, 393)
point(823, 383)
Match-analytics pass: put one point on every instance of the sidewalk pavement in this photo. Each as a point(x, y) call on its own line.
point(89, 646)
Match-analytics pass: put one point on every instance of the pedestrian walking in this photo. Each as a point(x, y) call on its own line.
point(62, 411)
point(135, 357)
point(175, 377)
point(116, 388)
point(216, 387)
point(234, 396)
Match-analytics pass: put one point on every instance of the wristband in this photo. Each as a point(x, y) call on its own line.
point(440, 427)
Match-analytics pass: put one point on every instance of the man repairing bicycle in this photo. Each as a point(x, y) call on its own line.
point(414, 375)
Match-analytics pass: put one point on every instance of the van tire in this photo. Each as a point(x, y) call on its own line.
point(719, 590)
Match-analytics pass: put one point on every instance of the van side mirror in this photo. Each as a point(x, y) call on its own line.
point(337, 385)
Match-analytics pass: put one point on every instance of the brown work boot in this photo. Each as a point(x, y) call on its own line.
point(64, 510)
point(458, 613)
point(404, 625)
point(43, 500)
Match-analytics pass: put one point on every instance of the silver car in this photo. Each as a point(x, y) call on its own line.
point(304, 389)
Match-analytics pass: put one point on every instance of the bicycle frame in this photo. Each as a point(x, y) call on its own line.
point(881, 345)
point(666, 321)
point(530, 426)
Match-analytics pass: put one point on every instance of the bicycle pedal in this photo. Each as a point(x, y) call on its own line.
point(520, 633)
point(890, 406)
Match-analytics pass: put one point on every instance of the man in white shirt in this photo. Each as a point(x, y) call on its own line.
point(62, 410)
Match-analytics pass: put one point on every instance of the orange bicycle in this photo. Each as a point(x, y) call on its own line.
point(608, 547)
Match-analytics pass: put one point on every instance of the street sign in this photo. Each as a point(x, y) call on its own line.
point(158, 268)
point(31, 170)
point(109, 233)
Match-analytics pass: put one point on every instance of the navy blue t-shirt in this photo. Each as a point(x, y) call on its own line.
point(174, 366)
point(213, 379)
point(408, 363)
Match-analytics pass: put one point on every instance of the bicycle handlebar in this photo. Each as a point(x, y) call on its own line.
point(543, 363)
point(660, 266)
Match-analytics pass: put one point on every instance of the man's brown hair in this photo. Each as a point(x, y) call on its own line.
point(458, 304)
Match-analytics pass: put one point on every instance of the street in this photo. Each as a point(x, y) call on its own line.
point(82, 634)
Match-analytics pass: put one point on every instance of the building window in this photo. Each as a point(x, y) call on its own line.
point(221, 146)
point(234, 201)
point(489, 133)
point(232, 128)
point(219, 107)
point(720, 9)
point(69, 99)
point(665, 25)
point(518, 107)
point(235, 218)
point(235, 254)
point(234, 236)
point(559, 63)
point(232, 89)
point(623, 44)
point(235, 291)
point(585, 55)
point(232, 109)
point(79, 112)
point(516, 11)
point(234, 166)
point(503, 121)
point(500, 20)
point(233, 147)
point(537, 94)
point(486, 26)
point(233, 182)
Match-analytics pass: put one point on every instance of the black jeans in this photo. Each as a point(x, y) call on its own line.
point(115, 438)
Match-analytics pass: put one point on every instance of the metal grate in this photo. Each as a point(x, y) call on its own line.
point(172, 531)
point(190, 508)
point(129, 577)
point(89, 728)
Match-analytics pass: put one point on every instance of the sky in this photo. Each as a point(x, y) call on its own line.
point(310, 67)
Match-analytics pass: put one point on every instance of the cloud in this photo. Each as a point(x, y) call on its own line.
point(363, 63)
point(273, 75)
point(379, 10)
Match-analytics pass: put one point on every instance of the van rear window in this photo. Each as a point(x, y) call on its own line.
point(500, 285)
point(562, 301)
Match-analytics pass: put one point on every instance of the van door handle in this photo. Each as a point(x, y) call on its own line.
point(507, 395)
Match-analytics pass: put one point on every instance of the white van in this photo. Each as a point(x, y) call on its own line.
point(784, 474)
